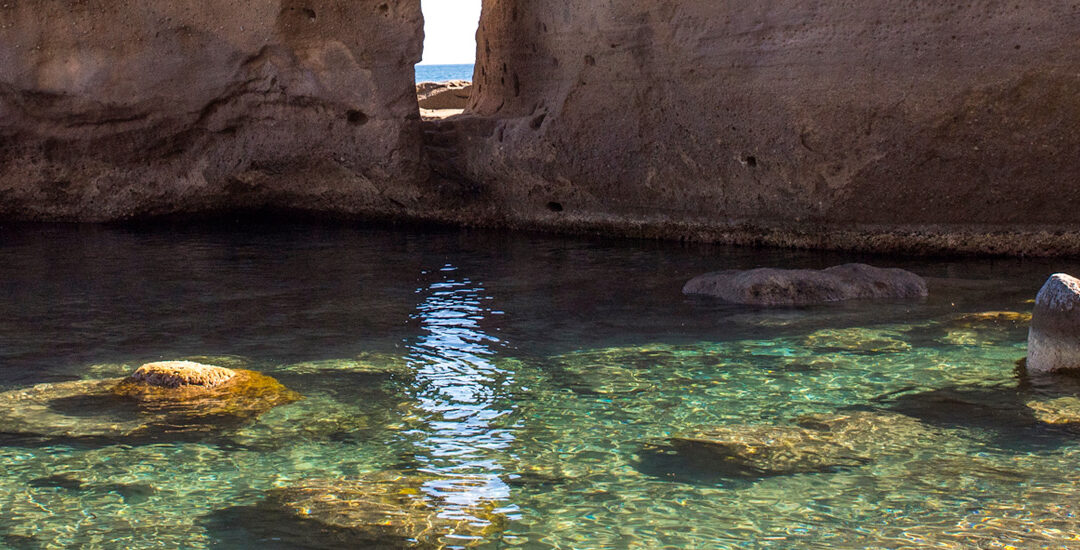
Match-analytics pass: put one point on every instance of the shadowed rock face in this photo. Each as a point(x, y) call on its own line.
point(123, 108)
point(877, 125)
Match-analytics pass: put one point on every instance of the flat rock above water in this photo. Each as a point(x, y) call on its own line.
point(800, 287)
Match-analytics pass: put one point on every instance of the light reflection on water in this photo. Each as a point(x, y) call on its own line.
point(460, 389)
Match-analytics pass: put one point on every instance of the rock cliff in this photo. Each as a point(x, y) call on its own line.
point(876, 125)
point(896, 126)
point(118, 108)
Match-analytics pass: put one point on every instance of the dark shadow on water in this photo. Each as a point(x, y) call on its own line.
point(997, 415)
point(664, 462)
point(131, 493)
point(266, 528)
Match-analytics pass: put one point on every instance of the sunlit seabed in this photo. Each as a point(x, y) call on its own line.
point(537, 378)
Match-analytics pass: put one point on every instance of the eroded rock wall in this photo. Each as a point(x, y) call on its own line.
point(119, 108)
point(876, 125)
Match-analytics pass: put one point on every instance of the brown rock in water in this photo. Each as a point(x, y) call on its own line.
point(798, 287)
point(141, 405)
point(1054, 336)
point(173, 374)
point(387, 510)
point(245, 394)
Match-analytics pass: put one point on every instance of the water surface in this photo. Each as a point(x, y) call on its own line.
point(538, 377)
point(443, 73)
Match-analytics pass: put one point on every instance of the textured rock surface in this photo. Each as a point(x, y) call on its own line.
point(123, 108)
point(877, 125)
point(173, 374)
point(796, 287)
point(883, 126)
point(1054, 337)
point(131, 408)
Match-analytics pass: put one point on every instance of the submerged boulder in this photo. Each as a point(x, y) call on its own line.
point(799, 287)
point(815, 443)
point(1054, 337)
point(387, 510)
point(157, 397)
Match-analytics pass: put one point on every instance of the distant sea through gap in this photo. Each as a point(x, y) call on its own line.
point(442, 73)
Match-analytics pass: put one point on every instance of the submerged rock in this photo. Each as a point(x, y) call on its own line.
point(865, 340)
point(816, 443)
point(143, 403)
point(799, 287)
point(1061, 411)
point(386, 510)
point(1054, 337)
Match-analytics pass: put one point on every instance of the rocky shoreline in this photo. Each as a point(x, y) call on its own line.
point(575, 124)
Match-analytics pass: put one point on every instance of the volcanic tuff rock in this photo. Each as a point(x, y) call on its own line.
point(118, 108)
point(881, 125)
point(876, 125)
point(797, 287)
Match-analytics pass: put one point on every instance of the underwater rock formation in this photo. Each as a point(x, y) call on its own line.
point(816, 443)
point(134, 406)
point(386, 510)
point(800, 287)
point(1054, 337)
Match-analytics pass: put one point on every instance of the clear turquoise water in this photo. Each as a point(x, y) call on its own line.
point(538, 377)
point(442, 73)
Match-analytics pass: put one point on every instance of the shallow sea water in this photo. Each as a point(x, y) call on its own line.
point(537, 378)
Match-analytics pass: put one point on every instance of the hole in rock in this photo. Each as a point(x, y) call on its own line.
point(555, 206)
point(356, 117)
point(751, 161)
point(444, 75)
point(537, 122)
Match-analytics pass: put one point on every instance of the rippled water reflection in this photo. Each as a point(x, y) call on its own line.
point(462, 392)
point(529, 385)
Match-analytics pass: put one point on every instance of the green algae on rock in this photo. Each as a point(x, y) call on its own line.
point(389, 510)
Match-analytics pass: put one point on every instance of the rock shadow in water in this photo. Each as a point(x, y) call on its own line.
point(272, 529)
point(664, 462)
point(1000, 415)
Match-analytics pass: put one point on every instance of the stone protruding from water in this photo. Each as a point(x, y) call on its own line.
point(1054, 337)
point(800, 287)
point(173, 374)
point(169, 397)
